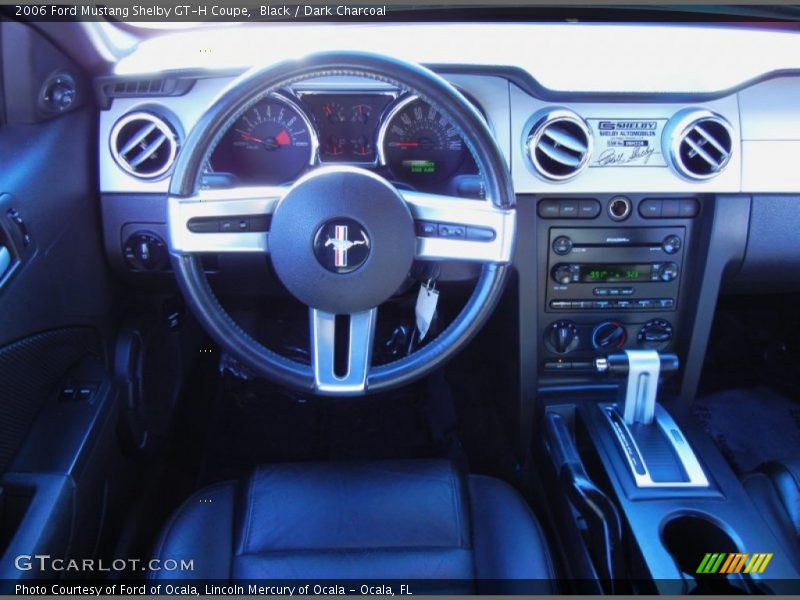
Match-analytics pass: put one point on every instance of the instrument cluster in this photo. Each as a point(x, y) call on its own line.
point(401, 137)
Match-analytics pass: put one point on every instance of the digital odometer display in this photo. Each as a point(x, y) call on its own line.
point(614, 273)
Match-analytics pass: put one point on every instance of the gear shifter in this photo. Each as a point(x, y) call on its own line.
point(656, 450)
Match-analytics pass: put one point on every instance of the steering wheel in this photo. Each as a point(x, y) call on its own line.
point(334, 210)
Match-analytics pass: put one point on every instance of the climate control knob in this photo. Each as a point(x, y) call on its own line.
point(655, 333)
point(561, 337)
point(609, 335)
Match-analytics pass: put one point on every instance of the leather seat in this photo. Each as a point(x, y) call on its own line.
point(775, 488)
point(401, 520)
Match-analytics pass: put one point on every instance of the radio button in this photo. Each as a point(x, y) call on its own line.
point(666, 302)
point(560, 304)
point(562, 245)
point(668, 271)
point(650, 208)
point(614, 291)
point(568, 209)
point(645, 303)
point(562, 274)
point(626, 291)
point(600, 291)
point(671, 244)
point(624, 303)
point(549, 209)
point(588, 209)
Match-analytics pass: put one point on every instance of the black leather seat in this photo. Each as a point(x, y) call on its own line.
point(775, 488)
point(399, 520)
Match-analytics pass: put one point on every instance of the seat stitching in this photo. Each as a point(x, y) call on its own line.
point(248, 526)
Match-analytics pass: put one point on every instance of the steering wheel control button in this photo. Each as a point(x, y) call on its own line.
point(342, 240)
point(562, 245)
point(341, 245)
point(452, 231)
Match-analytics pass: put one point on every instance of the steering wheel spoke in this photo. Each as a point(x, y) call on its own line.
point(452, 228)
point(341, 350)
point(224, 220)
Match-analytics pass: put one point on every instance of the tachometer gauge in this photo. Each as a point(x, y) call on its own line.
point(270, 143)
point(419, 144)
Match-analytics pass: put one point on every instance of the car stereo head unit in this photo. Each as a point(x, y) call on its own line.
point(642, 264)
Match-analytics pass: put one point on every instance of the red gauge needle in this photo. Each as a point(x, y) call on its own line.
point(250, 138)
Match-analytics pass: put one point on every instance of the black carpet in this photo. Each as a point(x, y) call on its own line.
point(751, 425)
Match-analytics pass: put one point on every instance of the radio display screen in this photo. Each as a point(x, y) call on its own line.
point(614, 273)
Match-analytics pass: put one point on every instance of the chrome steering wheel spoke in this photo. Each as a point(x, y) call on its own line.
point(223, 220)
point(453, 228)
point(341, 350)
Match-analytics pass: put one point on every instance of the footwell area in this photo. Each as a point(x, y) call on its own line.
point(749, 398)
point(751, 426)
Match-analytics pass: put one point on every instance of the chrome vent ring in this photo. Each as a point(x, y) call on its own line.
point(700, 143)
point(558, 144)
point(144, 144)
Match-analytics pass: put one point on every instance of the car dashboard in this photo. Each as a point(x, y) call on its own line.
point(646, 181)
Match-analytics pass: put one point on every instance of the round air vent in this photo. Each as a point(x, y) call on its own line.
point(559, 144)
point(700, 143)
point(144, 144)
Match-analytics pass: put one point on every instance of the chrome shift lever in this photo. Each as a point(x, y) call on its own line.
point(643, 369)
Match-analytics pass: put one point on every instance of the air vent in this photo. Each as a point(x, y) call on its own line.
point(144, 144)
point(701, 143)
point(559, 144)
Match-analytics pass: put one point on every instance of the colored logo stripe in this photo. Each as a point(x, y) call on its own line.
point(727, 563)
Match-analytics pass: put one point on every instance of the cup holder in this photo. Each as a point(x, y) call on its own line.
point(688, 538)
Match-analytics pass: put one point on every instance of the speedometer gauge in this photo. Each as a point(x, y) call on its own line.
point(271, 143)
point(420, 145)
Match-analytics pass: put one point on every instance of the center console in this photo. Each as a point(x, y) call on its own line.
point(623, 289)
point(614, 278)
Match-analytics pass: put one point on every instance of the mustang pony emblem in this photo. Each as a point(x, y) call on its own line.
point(341, 244)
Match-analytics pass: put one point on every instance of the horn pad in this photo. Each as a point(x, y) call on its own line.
point(342, 240)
